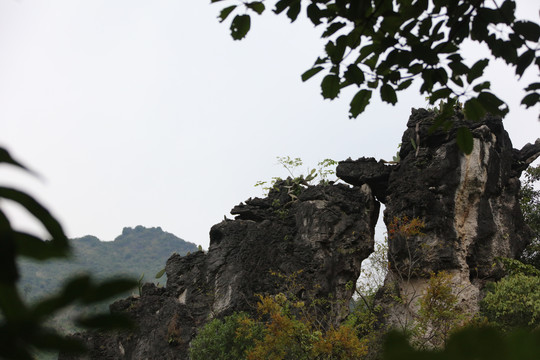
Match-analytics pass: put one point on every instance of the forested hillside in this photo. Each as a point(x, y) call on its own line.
point(136, 252)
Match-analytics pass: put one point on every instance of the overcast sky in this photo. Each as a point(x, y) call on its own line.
point(146, 112)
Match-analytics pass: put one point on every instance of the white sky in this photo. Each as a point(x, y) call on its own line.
point(146, 112)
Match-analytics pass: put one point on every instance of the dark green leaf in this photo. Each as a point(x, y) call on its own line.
point(477, 70)
point(311, 72)
point(507, 10)
point(11, 304)
point(106, 322)
point(391, 22)
point(332, 28)
point(8, 252)
point(479, 30)
point(314, 14)
point(359, 103)
point(226, 12)
point(281, 5)
point(427, 76)
point(492, 103)
point(524, 61)
point(388, 94)
point(458, 68)
point(54, 228)
point(396, 347)
point(46, 308)
point(49, 340)
point(373, 84)
point(483, 86)
point(372, 61)
point(529, 30)
point(533, 87)
point(464, 140)
point(77, 287)
point(354, 75)
point(365, 52)
point(531, 100)
point(425, 26)
point(440, 76)
point(354, 37)
point(33, 247)
point(508, 52)
point(240, 26)
point(320, 61)
point(257, 6)
point(405, 84)
point(407, 26)
point(5, 157)
point(457, 80)
point(294, 10)
point(108, 289)
point(439, 94)
point(492, 16)
point(330, 86)
point(474, 110)
point(336, 50)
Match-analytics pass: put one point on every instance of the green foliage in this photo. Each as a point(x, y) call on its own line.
point(514, 267)
point(227, 339)
point(365, 319)
point(324, 171)
point(439, 314)
point(530, 206)
point(278, 333)
point(514, 302)
point(23, 326)
point(386, 45)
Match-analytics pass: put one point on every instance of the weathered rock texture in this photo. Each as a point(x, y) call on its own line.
point(469, 204)
point(323, 237)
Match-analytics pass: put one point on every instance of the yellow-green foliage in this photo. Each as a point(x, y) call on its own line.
point(277, 333)
point(226, 339)
point(438, 314)
point(290, 337)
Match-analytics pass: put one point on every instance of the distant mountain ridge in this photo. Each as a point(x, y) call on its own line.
point(136, 251)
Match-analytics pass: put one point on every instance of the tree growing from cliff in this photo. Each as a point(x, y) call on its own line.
point(385, 45)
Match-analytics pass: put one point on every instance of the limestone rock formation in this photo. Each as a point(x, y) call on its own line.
point(322, 235)
point(468, 203)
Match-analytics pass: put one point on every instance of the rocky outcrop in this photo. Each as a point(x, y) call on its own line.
point(366, 171)
point(467, 203)
point(467, 206)
point(321, 235)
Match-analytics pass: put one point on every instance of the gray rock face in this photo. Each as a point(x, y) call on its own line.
point(468, 203)
point(366, 171)
point(323, 236)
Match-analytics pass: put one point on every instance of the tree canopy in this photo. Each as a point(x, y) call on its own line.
point(385, 45)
